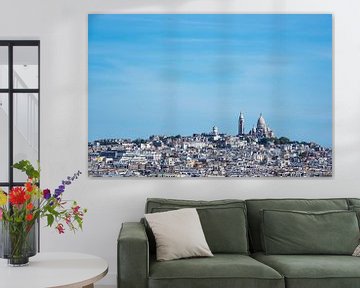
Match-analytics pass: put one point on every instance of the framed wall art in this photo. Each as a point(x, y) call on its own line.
point(210, 95)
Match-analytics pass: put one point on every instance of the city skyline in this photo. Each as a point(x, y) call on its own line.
point(183, 74)
point(245, 130)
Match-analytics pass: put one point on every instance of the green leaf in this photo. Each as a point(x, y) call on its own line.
point(53, 211)
point(79, 221)
point(26, 167)
point(50, 219)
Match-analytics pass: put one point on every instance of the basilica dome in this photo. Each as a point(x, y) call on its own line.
point(261, 123)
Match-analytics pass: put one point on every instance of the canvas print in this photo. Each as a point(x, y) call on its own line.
point(235, 95)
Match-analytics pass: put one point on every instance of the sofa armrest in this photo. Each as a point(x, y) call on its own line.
point(133, 256)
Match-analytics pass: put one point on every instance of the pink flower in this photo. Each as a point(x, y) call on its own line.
point(76, 210)
point(60, 228)
point(68, 219)
point(1, 212)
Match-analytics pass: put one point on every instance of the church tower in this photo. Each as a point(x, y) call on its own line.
point(241, 127)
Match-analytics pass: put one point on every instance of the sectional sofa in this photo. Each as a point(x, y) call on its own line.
point(257, 243)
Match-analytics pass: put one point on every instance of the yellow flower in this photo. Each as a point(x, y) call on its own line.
point(3, 198)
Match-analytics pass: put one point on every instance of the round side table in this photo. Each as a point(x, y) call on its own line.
point(50, 270)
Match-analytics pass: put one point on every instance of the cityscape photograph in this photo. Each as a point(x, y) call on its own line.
point(235, 95)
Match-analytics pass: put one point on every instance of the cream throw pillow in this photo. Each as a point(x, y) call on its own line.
point(178, 234)
point(357, 251)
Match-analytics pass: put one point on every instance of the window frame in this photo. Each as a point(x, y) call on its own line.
point(10, 91)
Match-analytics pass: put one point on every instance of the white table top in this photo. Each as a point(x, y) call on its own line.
point(68, 270)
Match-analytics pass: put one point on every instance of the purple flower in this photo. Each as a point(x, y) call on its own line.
point(57, 193)
point(46, 194)
point(65, 182)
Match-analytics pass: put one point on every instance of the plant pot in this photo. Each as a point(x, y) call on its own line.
point(18, 242)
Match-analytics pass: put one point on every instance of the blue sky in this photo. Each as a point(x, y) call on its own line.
point(182, 74)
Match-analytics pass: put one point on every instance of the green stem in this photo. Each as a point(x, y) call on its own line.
point(18, 238)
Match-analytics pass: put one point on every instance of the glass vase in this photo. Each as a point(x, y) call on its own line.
point(18, 242)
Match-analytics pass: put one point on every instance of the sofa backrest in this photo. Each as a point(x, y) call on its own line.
point(353, 202)
point(223, 221)
point(256, 205)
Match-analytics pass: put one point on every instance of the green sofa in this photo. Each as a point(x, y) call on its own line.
point(233, 230)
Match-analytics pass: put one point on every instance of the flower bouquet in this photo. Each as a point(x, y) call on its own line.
point(21, 208)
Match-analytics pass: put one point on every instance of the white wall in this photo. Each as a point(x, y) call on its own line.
point(61, 25)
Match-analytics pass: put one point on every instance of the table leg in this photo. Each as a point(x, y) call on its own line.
point(89, 286)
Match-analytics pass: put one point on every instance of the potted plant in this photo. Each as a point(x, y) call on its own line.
point(21, 208)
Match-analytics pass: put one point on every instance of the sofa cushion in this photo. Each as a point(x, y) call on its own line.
point(254, 216)
point(223, 221)
point(313, 271)
point(222, 270)
point(297, 232)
